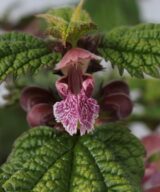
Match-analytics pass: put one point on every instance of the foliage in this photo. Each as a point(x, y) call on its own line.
point(45, 160)
point(135, 49)
point(21, 53)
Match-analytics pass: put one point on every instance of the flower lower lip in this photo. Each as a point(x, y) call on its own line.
point(77, 109)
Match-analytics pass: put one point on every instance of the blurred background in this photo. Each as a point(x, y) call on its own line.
point(19, 15)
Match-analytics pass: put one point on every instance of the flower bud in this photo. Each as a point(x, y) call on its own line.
point(34, 95)
point(116, 87)
point(40, 114)
point(118, 105)
point(116, 102)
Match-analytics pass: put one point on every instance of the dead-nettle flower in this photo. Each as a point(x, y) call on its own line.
point(77, 110)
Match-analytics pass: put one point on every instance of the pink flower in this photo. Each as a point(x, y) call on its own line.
point(77, 110)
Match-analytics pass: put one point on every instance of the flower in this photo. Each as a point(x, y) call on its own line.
point(77, 110)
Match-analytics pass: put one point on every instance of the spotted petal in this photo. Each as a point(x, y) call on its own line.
point(88, 112)
point(66, 113)
point(77, 111)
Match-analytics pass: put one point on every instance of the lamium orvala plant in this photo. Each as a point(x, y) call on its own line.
point(77, 140)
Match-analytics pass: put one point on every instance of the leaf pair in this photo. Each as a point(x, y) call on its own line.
point(136, 49)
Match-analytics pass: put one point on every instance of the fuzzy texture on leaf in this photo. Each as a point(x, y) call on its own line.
point(136, 49)
point(21, 53)
point(43, 160)
point(68, 24)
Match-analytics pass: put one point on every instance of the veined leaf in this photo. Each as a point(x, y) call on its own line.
point(20, 53)
point(136, 49)
point(110, 159)
point(68, 24)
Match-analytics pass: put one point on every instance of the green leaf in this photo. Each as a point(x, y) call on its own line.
point(113, 13)
point(68, 24)
point(21, 53)
point(136, 49)
point(110, 159)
